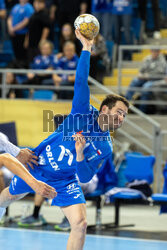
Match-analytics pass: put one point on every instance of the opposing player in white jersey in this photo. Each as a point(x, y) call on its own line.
point(16, 167)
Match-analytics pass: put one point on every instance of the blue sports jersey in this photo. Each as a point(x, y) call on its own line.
point(122, 7)
point(19, 13)
point(57, 153)
point(2, 5)
point(42, 62)
point(65, 64)
point(101, 6)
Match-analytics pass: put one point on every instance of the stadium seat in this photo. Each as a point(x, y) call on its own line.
point(43, 95)
point(122, 180)
point(139, 167)
point(161, 199)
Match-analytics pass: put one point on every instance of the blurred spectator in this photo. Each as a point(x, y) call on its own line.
point(15, 79)
point(2, 21)
point(99, 57)
point(10, 4)
point(43, 61)
point(2, 9)
point(155, 95)
point(13, 93)
point(67, 34)
point(39, 29)
point(67, 11)
point(156, 15)
point(122, 14)
point(153, 68)
point(18, 26)
point(67, 62)
point(102, 9)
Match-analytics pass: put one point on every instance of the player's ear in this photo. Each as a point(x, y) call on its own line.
point(104, 109)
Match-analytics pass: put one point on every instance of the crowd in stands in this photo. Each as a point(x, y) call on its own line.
point(42, 37)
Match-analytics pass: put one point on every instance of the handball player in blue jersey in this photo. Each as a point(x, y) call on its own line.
point(80, 145)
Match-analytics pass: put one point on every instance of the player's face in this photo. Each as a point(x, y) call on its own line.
point(112, 119)
point(118, 114)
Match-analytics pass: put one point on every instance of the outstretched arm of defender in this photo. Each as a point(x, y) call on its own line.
point(18, 169)
point(25, 156)
point(81, 89)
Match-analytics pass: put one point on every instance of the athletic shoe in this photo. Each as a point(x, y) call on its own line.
point(63, 226)
point(30, 221)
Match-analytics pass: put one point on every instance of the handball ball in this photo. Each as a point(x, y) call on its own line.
point(88, 25)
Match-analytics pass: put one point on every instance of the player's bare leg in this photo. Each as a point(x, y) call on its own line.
point(76, 214)
point(6, 199)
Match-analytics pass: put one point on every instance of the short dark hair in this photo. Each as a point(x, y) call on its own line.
point(111, 100)
point(40, 1)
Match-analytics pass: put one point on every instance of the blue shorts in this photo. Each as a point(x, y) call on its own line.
point(68, 190)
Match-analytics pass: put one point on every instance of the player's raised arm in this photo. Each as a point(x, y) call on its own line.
point(81, 89)
point(18, 169)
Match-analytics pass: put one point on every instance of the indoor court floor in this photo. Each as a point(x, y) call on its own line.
point(148, 233)
point(25, 239)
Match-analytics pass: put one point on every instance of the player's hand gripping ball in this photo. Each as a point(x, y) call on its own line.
point(88, 25)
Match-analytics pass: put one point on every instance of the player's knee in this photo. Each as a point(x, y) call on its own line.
point(6, 198)
point(81, 225)
point(12, 197)
point(84, 225)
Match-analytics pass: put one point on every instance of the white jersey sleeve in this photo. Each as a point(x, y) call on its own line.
point(8, 147)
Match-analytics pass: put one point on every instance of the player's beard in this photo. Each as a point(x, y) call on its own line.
point(114, 122)
point(109, 121)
